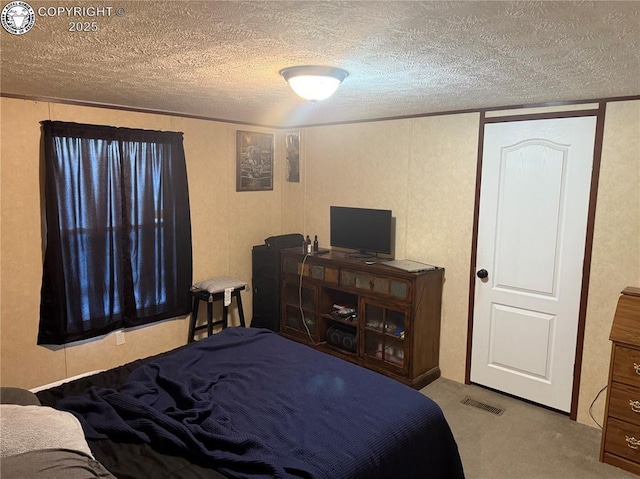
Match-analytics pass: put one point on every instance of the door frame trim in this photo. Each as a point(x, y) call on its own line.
point(599, 113)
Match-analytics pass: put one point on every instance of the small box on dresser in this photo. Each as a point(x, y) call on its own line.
point(621, 429)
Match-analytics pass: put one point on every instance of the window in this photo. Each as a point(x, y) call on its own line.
point(118, 250)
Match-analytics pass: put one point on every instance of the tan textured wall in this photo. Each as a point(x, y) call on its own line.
point(616, 247)
point(21, 253)
point(363, 165)
point(225, 225)
point(440, 220)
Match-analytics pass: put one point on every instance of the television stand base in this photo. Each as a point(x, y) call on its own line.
point(360, 255)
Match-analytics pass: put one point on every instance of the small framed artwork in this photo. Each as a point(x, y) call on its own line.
point(254, 161)
point(292, 141)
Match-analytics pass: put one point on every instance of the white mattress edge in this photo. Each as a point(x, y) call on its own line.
point(62, 381)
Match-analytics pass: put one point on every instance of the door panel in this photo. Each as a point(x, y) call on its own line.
point(534, 199)
point(536, 172)
point(511, 328)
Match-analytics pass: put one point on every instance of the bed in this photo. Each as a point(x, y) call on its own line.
point(248, 403)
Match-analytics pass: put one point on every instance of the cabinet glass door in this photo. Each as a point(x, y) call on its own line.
point(384, 334)
point(300, 306)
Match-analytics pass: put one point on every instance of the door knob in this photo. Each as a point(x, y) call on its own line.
point(482, 274)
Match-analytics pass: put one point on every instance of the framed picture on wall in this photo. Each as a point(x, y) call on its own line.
point(292, 141)
point(254, 161)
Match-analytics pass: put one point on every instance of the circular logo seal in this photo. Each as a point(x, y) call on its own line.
point(18, 17)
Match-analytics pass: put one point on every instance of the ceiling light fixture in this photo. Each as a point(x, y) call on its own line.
point(313, 82)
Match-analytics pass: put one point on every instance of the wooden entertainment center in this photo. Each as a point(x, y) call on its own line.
point(397, 328)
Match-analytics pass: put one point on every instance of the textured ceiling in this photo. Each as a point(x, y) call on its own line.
point(221, 59)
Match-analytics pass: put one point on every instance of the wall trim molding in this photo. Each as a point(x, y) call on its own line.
point(312, 125)
point(109, 106)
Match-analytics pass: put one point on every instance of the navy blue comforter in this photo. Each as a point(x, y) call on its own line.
point(252, 404)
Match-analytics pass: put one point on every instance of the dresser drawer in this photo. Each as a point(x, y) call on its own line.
point(396, 288)
point(626, 366)
point(623, 439)
point(624, 403)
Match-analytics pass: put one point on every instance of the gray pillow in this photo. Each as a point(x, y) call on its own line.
point(28, 428)
point(18, 396)
point(218, 284)
point(53, 464)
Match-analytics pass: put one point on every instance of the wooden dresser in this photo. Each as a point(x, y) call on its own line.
point(621, 430)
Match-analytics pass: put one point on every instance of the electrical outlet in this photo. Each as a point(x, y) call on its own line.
point(120, 337)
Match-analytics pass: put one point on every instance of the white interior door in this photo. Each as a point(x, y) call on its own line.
point(534, 201)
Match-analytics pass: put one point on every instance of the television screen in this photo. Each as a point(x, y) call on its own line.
point(362, 229)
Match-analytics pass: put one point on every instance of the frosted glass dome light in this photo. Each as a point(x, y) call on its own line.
point(313, 82)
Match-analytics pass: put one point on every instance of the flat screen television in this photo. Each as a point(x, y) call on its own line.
point(365, 230)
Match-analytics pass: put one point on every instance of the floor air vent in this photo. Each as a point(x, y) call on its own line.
point(481, 405)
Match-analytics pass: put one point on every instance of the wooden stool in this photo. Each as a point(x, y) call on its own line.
point(215, 289)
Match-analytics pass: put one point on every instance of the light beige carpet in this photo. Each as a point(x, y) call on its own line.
point(524, 442)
